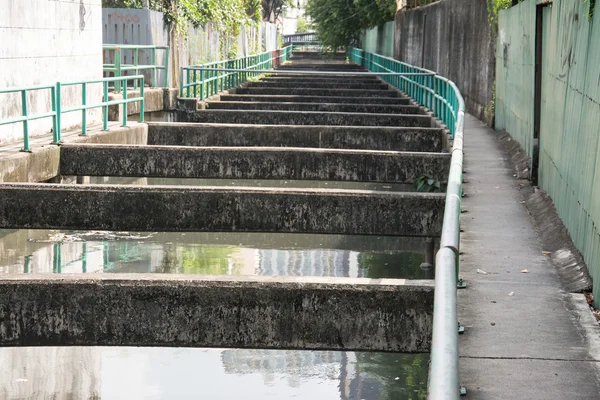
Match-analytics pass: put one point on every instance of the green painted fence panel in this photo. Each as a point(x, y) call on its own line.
point(515, 73)
point(570, 110)
point(380, 40)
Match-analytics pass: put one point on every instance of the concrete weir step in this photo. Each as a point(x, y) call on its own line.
point(217, 311)
point(219, 209)
point(325, 107)
point(320, 78)
point(332, 137)
point(319, 85)
point(315, 99)
point(251, 163)
point(316, 92)
point(272, 117)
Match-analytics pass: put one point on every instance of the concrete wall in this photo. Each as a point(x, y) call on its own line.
point(453, 38)
point(44, 41)
point(218, 311)
point(200, 45)
point(219, 209)
point(569, 143)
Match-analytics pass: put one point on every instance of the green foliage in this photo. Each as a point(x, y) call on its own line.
point(339, 22)
point(428, 184)
point(494, 7)
point(274, 7)
point(304, 26)
point(592, 8)
point(228, 16)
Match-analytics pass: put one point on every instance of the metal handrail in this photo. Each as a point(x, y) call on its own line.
point(118, 67)
point(442, 97)
point(202, 81)
point(58, 110)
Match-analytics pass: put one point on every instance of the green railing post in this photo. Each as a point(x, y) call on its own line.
point(168, 49)
point(188, 82)
point(55, 133)
point(125, 103)
point(135, 64)
point(105, 107)
point(26, 121)
point(181, 81)
point(27, 265)
point(58, 111)
point(142, 102)
point(201, 83)
point(84, 111)
point(195, 84)
point(154, 70)
point(118, 69)
point(84, 258)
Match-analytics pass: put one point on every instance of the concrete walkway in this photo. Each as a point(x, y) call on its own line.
point(525, 337)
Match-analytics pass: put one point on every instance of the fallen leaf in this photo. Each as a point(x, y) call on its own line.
point(511, 294)
point(525, 271)
point(546, 253)
point(482, 272)
point(493, 324)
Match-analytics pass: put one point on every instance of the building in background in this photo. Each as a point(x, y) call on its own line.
point(292, 15)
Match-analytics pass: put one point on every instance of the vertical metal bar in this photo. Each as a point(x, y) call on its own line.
point(105, 107)
point(118, 69)
point(55, 134)
point(135, 64)
point(167, 50)
point(201, 83)
point(195, 84)
point(181, 82)
point(142, 101)
point(188, 82)
point(154, 64)
point(58, 111)
point(124, 103)
point(84, 111)
point(26, 122)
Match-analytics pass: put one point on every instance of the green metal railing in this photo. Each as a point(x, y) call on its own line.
point(58, 110)
point(202, 81)
point(119, 67)
point(442, 97)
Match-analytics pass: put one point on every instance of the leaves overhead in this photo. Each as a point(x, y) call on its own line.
point(339, 22)
point(274, 7)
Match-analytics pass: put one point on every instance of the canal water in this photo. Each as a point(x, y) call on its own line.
point(184, 373)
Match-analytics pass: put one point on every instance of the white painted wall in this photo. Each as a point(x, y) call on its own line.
point(42, 42)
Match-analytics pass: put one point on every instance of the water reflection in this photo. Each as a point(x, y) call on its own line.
point(39, 251)
point(166, 373)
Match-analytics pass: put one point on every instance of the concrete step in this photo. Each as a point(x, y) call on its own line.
point(315, 99)
point(262, 117)
point(325, 107)
point(218, 209)
point(316, 92)
point(323, 66)
point(331, 137)
point(221, 311)
point(252, 163)
point(325, 79)
point(320, 85)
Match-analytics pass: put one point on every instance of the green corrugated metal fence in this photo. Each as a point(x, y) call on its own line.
point(570, 110)
point(380, 40)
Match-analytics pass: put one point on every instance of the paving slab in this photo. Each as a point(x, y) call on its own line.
point(524, 338)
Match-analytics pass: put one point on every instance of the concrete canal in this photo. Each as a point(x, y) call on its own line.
point(271, 243)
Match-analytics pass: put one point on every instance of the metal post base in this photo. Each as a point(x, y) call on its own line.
point(461, 329)
point(462, 390)
point(461, 284)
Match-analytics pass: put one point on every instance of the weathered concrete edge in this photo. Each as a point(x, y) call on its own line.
point(292, 163)
point(556, 239)
point(216, 311)
point(219, 209)
point(42, 163)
